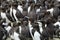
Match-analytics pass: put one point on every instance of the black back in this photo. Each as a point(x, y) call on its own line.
point(56, 12)
point(19, 14)
point(9, 17)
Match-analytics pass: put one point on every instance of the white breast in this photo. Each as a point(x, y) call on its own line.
point(38, 10)
point(40, 27)
point(20, 8)
point(35, 1)
point(3, 15)
point(30, 28)
point(36, 36)
point(16, 36)
point(29, 9)
point(58, 0)
point(57, 23)
point(14, 13)
point(51, 11)
point(20, 29)
point(11, 11)
point(8, 28)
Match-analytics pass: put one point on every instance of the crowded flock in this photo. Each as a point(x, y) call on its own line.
point(29, 19)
